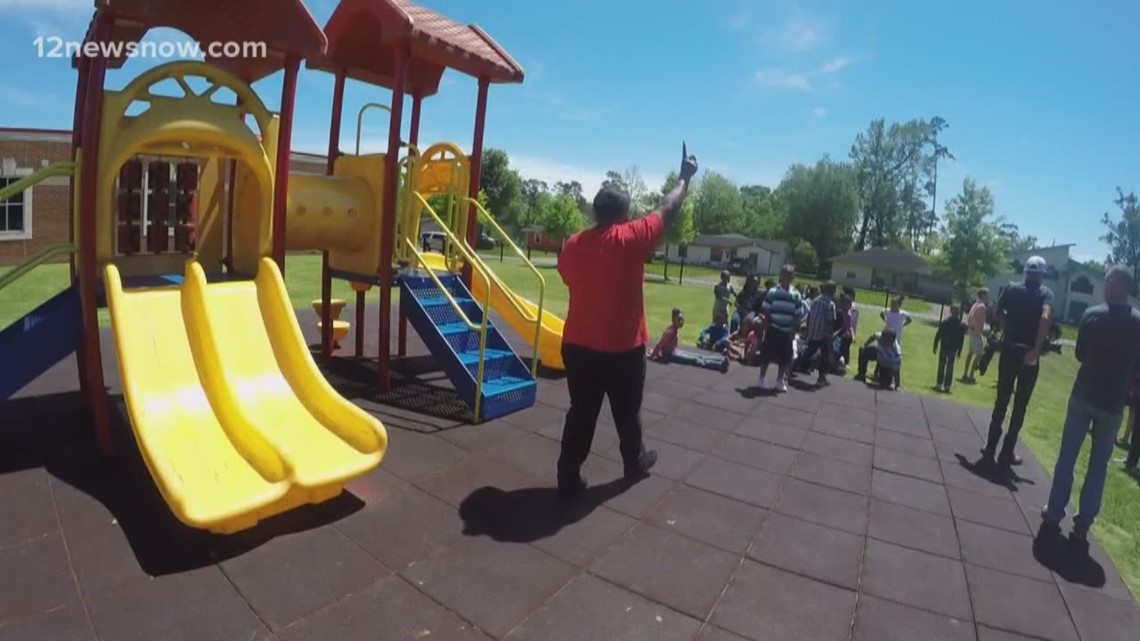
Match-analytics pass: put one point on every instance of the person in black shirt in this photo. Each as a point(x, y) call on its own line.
point(952, 335)
point(1024, 312)
point(1108, 348)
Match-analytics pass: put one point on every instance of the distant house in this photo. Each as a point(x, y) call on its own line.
point(537, 238)
point(1075, 286)
point(890, 269)
point(764, 256)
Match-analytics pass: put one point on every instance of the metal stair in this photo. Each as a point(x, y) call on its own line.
point(43, 337)
point(507, 384)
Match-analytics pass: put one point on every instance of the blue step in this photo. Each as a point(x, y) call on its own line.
point(507, 382)
point(33, 344)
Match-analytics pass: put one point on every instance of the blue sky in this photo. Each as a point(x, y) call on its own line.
point(1040, 96)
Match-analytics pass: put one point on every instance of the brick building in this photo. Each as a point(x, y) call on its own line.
point(38, 218)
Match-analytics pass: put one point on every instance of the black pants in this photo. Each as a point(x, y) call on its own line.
point(823, 348)
point(866, 355)
point(845, 349)
point(946, 368)
point(1016, 380)
point(591, 376)
point(1134, 447)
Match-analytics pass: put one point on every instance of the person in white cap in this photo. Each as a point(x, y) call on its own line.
point(1024, 312)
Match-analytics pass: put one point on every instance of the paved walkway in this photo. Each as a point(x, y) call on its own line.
point(832, 515)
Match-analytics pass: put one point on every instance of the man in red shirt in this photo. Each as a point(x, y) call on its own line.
point(603, 344)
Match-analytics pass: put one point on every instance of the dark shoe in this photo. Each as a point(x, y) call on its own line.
point(645, 462)
point(1016, 460)
point(1080, 533)
point(724, 366)
point(571, 488)
point(822, 382)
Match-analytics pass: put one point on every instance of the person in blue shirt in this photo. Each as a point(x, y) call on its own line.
point(1024, 312)
point(714, 337)
point(1108, 348)
point(783, 307)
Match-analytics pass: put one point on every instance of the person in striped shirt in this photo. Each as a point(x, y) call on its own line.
point(784, 309)
point(822, 327)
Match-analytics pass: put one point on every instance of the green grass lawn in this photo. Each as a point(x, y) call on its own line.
point(1116, 528)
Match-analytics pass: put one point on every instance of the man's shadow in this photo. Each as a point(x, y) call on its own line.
point(1068, 557)
point(985, 470)
point(530, 514)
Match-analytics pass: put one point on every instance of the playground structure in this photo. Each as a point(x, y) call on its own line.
point(231, 414)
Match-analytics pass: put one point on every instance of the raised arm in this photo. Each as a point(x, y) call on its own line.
point(671, 204)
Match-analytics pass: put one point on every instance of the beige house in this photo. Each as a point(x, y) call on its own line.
point(889, 269)
point(718, 250)
point(1075, 286)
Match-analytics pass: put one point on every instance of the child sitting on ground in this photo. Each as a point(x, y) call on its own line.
point(666, 349)
point(714, 337)
point(755, 340)
point(883, 348)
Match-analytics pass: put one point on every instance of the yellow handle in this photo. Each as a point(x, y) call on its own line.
point(360, 119)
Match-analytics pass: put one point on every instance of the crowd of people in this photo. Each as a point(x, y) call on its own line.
point(604, 349)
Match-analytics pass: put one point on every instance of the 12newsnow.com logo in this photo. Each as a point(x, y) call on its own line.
point(56, 47)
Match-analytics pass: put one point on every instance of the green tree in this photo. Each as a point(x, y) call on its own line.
point(1123, 236)
point(533, 191)
point(573, 189)
point(718, 206)
point(973, 246)
point(804, 256)
point(763, 212)
point(893, 164)
point(504, 189)
point(1017, 242)
point(822, 205)
point(560, 216)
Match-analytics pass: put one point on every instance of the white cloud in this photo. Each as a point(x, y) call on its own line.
point(819, 112)
point(566, 110)
point(799, 32)
point(836, 64)
point(551, 171)
point(780, 78)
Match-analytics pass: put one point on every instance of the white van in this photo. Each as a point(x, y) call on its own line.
point(432, 241)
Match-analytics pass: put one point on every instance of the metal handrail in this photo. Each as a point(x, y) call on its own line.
point(504, 237)
point(482, 326)
point(22, 269)
point(360, 119)
point(63, 168)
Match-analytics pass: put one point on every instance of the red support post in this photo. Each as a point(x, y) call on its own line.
point(73, 186)
point(326, 276)
point(413, 139)
point(476, 169)
point(388, 211)
point(88, 184)
point(284, 145)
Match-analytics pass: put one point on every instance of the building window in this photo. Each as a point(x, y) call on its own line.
point(851, 275)
point(16, 212)
point(1081, 285)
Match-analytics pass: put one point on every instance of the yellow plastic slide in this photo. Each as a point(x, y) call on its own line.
point(511, 306)
point(231, 415)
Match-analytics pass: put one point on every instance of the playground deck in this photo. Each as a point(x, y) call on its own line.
point(831, 515)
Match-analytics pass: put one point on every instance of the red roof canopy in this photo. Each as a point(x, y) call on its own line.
point(286, 27)
point(364, 35)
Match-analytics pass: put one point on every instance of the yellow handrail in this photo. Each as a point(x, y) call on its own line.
point(35, 261)
point(504, 237)
point(360, 119)
point(63, 168)
point(471, 258)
